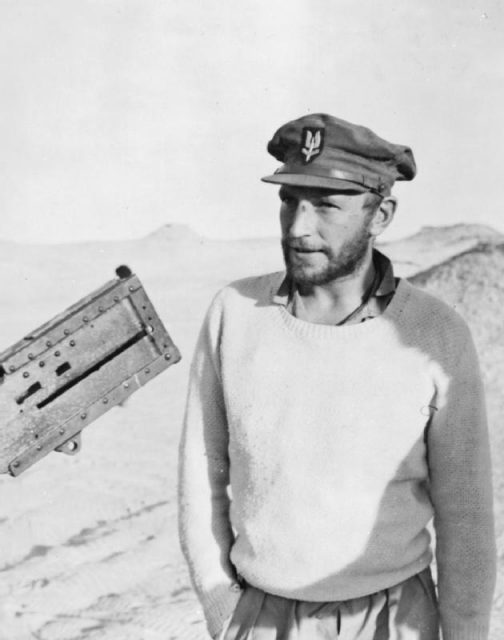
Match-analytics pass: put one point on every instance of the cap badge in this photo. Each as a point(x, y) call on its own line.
point(313, 142)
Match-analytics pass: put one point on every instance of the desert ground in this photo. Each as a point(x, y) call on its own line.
point(88, 543)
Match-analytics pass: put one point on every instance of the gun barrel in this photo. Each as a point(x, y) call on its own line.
point(71, 370)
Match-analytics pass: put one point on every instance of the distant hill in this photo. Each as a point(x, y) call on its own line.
point(174, 233)
point(472, 282)
point(455, 233)
point(432, 245)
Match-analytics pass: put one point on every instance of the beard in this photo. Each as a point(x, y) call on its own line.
point(333, 266)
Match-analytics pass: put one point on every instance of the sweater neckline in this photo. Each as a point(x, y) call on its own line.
point(311, 329)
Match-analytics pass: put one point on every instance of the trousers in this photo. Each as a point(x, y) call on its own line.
point(407, 611)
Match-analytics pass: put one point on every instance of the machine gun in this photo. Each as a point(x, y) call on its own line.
point(71, 370)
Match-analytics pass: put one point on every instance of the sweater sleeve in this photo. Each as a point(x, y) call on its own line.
point(461, 491)
point(205, 531)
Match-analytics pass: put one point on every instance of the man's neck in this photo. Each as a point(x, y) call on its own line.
point(331, 303)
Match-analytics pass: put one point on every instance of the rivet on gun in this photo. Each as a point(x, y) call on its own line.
point(72, 343)
point(16, 464)
point(12, 368)
point(26, 374)
point(126, 385)
point(39, 447)
point(85, 319)
point(100, 309)
point(116, 298)
point(83, 416)
point(57, 353)
point(66, 332)
point(61, 432)
point(30, 356)
point(147, 371)
point(167, 356)
point(48, 343)
point(105, 400)
point(41, 363)
point(131, 288)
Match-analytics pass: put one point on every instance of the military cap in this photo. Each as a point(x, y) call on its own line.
point(320, 150)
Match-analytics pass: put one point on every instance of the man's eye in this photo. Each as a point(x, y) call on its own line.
point(287, 200)
point(327, 205)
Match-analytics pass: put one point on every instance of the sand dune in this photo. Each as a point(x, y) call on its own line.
point(88, 543)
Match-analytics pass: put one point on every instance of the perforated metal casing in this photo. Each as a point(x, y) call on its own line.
point(67, 373)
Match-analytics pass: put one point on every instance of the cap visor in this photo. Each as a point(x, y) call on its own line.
point(308, 180)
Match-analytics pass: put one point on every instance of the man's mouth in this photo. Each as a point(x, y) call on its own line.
point(304, 249)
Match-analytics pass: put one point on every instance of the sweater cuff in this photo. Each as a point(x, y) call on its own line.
point(219, 605)
point(465, 631)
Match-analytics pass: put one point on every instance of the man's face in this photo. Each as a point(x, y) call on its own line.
point(325, 233)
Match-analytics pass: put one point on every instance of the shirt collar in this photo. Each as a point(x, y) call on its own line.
point(386, 270)
point(386, 285)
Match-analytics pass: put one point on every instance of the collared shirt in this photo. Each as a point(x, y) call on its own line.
point(381, 293)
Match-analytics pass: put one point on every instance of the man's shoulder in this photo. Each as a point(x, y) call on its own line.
point(258, 289)
point(433, 313)
point(429, 303)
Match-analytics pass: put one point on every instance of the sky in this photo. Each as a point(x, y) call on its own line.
point(120, 116)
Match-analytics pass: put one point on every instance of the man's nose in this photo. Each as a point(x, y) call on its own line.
point(301, 220)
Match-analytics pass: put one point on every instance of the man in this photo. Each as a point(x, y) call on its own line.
point(332, 412)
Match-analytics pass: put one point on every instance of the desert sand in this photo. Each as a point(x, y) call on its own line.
point(88, 543)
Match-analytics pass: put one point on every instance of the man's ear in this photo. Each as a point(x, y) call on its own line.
point(383, 215)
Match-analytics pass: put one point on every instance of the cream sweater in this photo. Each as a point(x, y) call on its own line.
point(313, 457)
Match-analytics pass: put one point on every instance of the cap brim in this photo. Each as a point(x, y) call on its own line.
point(322, 182)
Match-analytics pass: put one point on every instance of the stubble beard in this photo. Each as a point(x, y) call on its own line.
point(347, 261)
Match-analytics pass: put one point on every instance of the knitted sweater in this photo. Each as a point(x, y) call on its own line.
point(313, 457)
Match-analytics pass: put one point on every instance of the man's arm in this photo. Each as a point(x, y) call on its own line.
point(205, 531)
point(461, 490)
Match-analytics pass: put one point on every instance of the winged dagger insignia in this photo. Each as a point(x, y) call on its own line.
point(313, 141)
